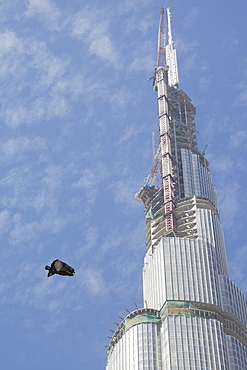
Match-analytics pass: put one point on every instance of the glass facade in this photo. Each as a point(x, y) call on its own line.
point(180, 269)
point(138, 346)
point(233, 300)
point(209, 228)
point(197, 178)
point(193, 343)
point(237, 354)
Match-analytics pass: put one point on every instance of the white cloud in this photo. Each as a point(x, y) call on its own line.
point(92, 27)
point(230, 203)
point(113, 241)
point(191, 17)
point(5, 221)
point(50, 67)
point(92, 279)
point(32, 98)
point(146, 22)
point(32, 199)
point(9, 41)
point(24, 233)
point(129, 131)
point(135, 24)
point(185, 47)
point(230, 43)
point(221, 163)
point(89, 183)
point(143, 58)
point(53, 176)
point(123, 194)
point(188, 55)
point(119, 98)
point(242, 97)
point(43, 85)
point(205, 82)
point(21, 180)
point(241, 163)
point(132, 5)
point(189, 63)
point(89, 242)
point(14, 181)
point(238, 139)
point(31, 288)
point(15, 147)
point(46, 10)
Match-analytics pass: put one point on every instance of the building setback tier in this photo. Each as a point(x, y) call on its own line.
point(182, 335)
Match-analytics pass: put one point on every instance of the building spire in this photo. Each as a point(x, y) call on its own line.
point(169, 17)
point(171, 55)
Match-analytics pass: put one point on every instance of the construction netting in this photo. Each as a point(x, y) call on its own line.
point(175, 304)
point(174, 308)
point(140, 319)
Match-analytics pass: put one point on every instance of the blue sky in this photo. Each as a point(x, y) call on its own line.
point(77, 113)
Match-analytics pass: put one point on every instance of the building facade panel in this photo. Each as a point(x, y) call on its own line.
point(197, 178)
point(232, 299)
point(180, 269)
point(137, 349)
point(209, 228)
point(193, 343)
point(237, 354)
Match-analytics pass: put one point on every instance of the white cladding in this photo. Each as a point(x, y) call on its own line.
point(180, 269)
point(237, 354)
point(178, 343)
point(197, 179)
point(193, 343)
point(138, 349)
point(232, 299)
point(171, 55)
point(209, 228)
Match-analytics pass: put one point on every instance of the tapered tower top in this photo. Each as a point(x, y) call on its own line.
point(167, 55)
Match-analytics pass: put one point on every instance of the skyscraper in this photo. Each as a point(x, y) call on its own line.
point(194, 316)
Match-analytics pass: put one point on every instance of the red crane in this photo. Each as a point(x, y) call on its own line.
point(161, 60)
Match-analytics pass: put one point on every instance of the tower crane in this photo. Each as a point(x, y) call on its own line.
point(161, 60)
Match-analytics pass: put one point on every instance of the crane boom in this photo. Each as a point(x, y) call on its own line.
point(161, 60)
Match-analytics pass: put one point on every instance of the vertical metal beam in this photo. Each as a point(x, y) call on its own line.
point(165, 148)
